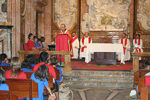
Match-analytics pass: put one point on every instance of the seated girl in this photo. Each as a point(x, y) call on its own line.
point(42, 39)
point(40, 77)
point(36, 42)
point(4, 60)
point(15, 71)
point(3, 86)
point(28, 63)
point(30, 42)
point(54, 62)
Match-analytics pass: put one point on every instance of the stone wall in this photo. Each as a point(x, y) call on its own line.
point(3, 15)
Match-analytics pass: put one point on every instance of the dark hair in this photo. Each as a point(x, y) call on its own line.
point(28, 61)
point(2, 76)
point(137, 34)
point(35, 37)
point(42, 39)
point(42, 73)
point(43, 56)
point(15, 66)
point(29, 36)
point(53, 60)
point(3, 56)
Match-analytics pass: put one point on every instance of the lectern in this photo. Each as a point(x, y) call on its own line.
point(62, 44)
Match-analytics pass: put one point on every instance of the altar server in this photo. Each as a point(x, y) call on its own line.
point(138, 44)
point(84, 42)
point(75, 46)
point(126, 49)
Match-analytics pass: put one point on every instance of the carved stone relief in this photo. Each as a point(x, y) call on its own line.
point(66, 12)
point(106, 15)
point(3, 15)
point(143, 14)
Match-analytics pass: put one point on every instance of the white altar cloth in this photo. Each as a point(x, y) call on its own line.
point(102, 47)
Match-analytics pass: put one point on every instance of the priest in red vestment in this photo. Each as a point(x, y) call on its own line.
point(63, 41)
point(83, 43)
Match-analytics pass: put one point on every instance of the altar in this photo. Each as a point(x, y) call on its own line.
point(103, 47)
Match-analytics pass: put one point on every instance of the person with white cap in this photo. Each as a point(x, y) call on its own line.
point(83, 43)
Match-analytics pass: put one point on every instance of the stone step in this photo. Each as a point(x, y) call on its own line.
point(113, 79)
point(99, 84)
point(98, 73)
point(99, 79)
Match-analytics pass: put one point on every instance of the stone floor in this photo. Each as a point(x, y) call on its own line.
point(100, 94)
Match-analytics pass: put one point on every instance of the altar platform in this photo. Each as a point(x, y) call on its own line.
point(81, 65)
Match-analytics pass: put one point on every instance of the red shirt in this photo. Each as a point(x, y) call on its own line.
point(30, 44)
point(51, 69)
point(21, 75)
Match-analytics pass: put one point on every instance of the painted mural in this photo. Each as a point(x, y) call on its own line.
point(66, 12)
point(106, 15)
point(143, 14)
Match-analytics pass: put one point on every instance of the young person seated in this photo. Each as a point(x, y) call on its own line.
point(30, 42)
point(29, 62)
point(3, 86)
point(15, 71)
point(36, 42)
point(54, 62)
point(40, 76)
point(42, 39)
point(44, 57)
point(4, 60)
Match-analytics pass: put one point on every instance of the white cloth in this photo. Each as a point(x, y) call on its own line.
point(136, 47)
point(75, 50)
point(102, 47)
point(125, 57)
point(86, 42)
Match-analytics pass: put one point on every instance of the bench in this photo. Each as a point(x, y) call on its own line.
point(7, 95)
point(50, 81)
point(145, 93)
point(23, 87)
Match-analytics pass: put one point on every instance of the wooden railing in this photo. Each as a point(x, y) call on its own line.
point(67, 66)
point(136, 60)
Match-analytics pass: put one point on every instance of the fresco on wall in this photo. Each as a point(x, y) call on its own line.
point(65, 12)
point(3, 15)
point(106, 15)
point(143, 14)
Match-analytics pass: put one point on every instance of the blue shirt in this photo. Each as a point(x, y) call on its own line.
point(4, 64)
point(42, 45)
point(41, 85)
point(37, 45)
point(60, 75)
point(26, 69)
point(4, 87)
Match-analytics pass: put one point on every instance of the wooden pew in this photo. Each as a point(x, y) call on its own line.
point(145, 93)
point(50, 81)
point(7, 95)
point(23, 87)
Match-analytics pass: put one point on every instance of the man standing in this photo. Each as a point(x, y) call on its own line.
point(84, 42)
point(65, 31)
point(138, 44)
point(75, 46)
point(126, 48)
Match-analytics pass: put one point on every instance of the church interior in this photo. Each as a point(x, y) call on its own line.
point(101, 49)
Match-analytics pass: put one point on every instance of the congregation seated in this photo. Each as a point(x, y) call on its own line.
point(15, 71)
point(4, 60)
point(36, 42)
point(3, 86)
point(29, 62)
